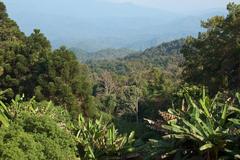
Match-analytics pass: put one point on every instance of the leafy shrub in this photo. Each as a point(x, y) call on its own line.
point(208, 129)
point(98, 140)
point(36, 131)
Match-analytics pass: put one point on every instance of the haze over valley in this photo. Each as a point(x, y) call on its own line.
point(95, 25)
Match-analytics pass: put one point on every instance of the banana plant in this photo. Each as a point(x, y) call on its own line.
point(3, 115)
point(9, 112)
point(4, 111)
point(236, 120)
point(205, 129)
point(99, 140)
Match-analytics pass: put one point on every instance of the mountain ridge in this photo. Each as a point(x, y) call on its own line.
point(128, 26)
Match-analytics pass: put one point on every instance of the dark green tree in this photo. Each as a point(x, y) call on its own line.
point(65, 81)
point(29, 66)
point(213, 59)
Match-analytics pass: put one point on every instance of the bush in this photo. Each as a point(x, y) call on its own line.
point(36, 131)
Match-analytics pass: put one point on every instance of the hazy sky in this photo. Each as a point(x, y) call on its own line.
point(179, 5)
point(182, 6)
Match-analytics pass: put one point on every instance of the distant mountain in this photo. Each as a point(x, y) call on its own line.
point(93, 26)
point(104, 54)
point(81, 54)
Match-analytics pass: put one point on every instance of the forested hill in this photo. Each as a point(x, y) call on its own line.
point(166, 56)
point(166, 48)
point(160, 54)
point(104, 54)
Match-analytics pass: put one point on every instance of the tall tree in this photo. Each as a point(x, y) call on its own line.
point(12, 63)
point(29, 66)
point(213, 59)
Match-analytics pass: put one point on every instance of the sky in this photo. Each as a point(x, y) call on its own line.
point(179, 5)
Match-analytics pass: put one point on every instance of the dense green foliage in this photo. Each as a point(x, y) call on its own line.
point(99, 140)
point(36, 131)
point(140, 84)
point(213, 58)
point(209, 125)
point(205, 130)
point(104, 54)
point(97, 110)
point(161, 56)
point(29, 66)
point(166, 56)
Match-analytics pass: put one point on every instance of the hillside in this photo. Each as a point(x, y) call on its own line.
point(159, 55)
point(104, 54)
point(166, 56)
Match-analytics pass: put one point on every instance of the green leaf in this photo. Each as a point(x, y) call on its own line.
point(174, 128)
point(90, 151)
point(190, 100)
point(206, 146)
point(238, 97)
point(224, 114)
point(204, 107)
point(234, 109)
point(131, 136)
point(3, 107)
point(235, 121)
point(206, 129)
point(4, 120)
point(192, 127)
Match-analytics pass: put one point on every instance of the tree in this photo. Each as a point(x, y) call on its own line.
point(107, 83)
point(64, 81)
point(213, 59)
point(29, 66)
point(11, 42)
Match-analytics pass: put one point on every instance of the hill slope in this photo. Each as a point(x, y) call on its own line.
point(104, 54)
point(166, 56)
